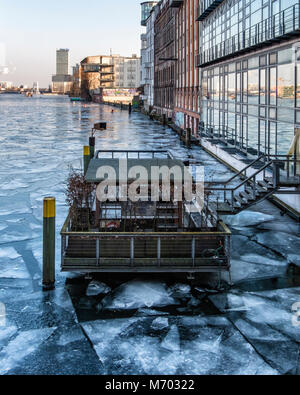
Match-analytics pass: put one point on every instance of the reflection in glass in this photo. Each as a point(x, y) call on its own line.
point(286, 85)
point(262, 112)
point(252, 132)
point(216, 88)
point(263, 93)
point(285, 135)
point(245, 87)
point(272, 112)
point(285, 114)
point(245, 132)
point(272, 143)
point(273, 86)
point(238, 87)
point(262, 137)
point(253, 85)
point(298, 86)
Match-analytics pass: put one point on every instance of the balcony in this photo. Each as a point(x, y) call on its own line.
point(206, 7)
point(282, 26)
point(176, 3)
point(96, 68)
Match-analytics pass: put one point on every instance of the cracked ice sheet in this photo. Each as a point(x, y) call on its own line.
point(283, 243)
point(21, 346)
point(188, 345)
point(265, 318)
point(19, 204)
point(19, 230)
point(252, 266)
point(247, 218)
point(12, 264)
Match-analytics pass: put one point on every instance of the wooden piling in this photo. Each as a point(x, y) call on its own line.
point(86, 158)
point(188, 136)
point(92, 143)
point(164, 119)
point(49, 243)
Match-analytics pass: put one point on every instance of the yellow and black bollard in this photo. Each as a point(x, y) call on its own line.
point(49, 243)
point(86, 158)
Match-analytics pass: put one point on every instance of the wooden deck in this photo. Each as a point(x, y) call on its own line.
point(146, 252)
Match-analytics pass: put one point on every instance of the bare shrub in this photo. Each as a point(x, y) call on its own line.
point(80, 197)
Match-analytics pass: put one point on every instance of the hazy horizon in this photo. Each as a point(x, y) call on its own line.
point(33, 30)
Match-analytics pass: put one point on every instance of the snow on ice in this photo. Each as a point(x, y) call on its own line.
point(96, 288)
point(247, 218)
point(23, 345)
point(137, 294)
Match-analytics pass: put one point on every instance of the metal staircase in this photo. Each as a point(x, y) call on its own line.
point(256, 182)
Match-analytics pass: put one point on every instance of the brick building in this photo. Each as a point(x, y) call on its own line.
point(164, 58)
point(187, 89)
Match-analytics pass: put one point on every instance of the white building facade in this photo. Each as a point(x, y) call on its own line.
point(149, 65)
point(126, 71)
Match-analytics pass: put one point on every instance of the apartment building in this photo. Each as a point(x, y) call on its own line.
point(165, 57)
point(187, 89)
point(148, 18)
point(249, 53)
point(101, 72)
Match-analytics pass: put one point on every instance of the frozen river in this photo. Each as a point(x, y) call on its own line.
point(132, 325)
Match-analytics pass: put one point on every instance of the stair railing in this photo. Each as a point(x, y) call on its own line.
point(243, 173)
point(249, 180)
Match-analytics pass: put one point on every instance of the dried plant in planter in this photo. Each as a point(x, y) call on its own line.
point(80, 197)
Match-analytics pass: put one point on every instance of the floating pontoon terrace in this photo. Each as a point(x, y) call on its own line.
point(145, 236)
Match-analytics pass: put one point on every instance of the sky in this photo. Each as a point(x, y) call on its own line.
point(32, 30)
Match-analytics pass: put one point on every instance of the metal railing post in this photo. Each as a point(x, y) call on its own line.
point(132, 251)
point(276, 173)
point(159, 251)
point(193, 250)
point(98, 251)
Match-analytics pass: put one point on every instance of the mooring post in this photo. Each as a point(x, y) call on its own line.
point(92, 143)
point(49, 243)
point(164, 119)
point(86, 158)
point(188, 137)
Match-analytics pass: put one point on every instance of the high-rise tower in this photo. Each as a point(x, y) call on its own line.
point(62, 81)
point(62, 62)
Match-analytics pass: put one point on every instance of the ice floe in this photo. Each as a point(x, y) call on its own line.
point(137, 294)
point(172, 341)
point(247, 218)
point(22, 346)
point(96, 288)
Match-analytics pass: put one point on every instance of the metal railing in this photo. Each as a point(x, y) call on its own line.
point(231, 137)
point(230, 193)
point(224, 134)
point(158, 237)
point(275, 173)
point(132, 154)
point(206, 7)
point(281, 24)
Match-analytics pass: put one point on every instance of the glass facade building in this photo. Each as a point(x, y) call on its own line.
point(146, 10)
point(252, 99)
